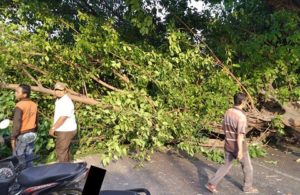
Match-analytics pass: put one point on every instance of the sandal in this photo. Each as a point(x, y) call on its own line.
point(211, 188)
point(251, 191)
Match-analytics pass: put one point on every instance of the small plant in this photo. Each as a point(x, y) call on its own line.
point(256, 151)
point(278, 125)
point(214, 155)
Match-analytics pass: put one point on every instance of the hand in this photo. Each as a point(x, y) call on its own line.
point(13, 144)
point(52, 133)
point(240, 155)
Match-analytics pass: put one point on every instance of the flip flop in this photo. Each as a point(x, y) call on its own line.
point(211, 188)
point(251, 191)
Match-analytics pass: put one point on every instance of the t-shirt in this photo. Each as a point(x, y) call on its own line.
point(65, 107)
point(235, 122)
point(25, 117)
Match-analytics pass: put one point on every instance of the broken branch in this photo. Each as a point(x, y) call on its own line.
point(122, 77)
point(32, 78)
point(41, 89)
point(105, 84)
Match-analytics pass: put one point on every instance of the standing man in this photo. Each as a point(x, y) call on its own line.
point(64, 128)
point(25, 123)
point(234, 126)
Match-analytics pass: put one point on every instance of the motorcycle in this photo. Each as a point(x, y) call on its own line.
point(138, 191)
point(53, 179)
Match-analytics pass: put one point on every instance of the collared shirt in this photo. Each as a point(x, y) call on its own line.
point(65, 107)
point(235, 122)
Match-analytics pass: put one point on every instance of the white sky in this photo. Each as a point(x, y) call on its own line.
point(199, 5)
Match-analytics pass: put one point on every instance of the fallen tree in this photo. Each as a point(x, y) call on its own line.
point(171, 89)
point(78, 98)
point(258, 120)
point(291, 117)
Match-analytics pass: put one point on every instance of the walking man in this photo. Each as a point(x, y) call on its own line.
point(25, 123)
point(64, 128)
point(234, 126)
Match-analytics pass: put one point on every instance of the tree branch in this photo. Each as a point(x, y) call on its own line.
point(121, 18)
point(36, 68)
point(40, 84)
point(105, 84)
point(82, 98)
point(219, 62)
point(32, 78)
point(87, 6)
point(122, 77)
point(70, 26)
point(93, 77)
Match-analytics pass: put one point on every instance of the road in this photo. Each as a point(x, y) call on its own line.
point(172, 173)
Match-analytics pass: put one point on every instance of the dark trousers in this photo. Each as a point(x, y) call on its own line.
point(246, 166)
point(63, 141)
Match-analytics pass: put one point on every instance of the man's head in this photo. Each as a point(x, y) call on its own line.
point(240, 99)
point(23, 92)
point(60, 88)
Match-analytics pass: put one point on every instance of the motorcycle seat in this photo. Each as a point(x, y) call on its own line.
point(136, 191)
point(117, 192)
point(44, 174)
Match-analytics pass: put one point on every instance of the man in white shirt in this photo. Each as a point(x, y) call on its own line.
point(64, 127)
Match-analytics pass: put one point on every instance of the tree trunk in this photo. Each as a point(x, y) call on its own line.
point(81, 98)
point(292, 5)
point(291, 117)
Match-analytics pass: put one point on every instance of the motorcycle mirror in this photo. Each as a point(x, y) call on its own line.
point(4, 124)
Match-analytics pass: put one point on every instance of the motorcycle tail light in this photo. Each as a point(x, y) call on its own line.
point(38, 188)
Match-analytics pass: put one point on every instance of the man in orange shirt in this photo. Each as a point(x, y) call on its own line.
point(24, 124)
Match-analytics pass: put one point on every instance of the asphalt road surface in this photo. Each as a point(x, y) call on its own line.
point(173, 173)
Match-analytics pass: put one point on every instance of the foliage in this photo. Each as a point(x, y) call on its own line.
point(278, 126)
point(256, 151)
point(150, 111)
point(161, 85)
point(260, 46)
point(7, 105)
point(214, 155)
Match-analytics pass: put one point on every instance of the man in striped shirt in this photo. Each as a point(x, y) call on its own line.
point(234, 126)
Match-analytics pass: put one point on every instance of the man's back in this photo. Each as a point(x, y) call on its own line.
point(235, 122)
point(29, 114)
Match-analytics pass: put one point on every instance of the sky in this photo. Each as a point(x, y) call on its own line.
point(199, 5)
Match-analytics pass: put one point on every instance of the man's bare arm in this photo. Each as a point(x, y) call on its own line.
point(240, 140)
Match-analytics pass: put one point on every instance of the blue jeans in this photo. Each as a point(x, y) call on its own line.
point(25, 150)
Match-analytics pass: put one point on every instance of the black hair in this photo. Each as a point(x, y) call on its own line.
point(239, 98)
point(26, 89)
